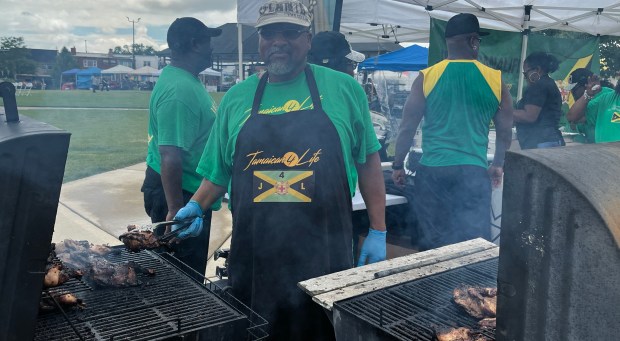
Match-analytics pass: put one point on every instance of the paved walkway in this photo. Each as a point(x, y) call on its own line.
point(99, 208)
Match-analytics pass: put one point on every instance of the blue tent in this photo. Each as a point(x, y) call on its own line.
point(83, 77)
point(70, 72)
point(412, 58)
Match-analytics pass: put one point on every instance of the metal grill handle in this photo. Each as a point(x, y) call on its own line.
point(7, 91)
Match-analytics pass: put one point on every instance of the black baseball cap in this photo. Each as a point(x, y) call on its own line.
point(330, 45)
point(184, 29)
point(578, 77)
point(463, 23)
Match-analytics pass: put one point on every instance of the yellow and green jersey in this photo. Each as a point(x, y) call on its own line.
point(462, 97)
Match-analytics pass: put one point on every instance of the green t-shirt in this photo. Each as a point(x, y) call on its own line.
point(603, 113)
point(462, 97)
point(343, 100)
point(181, 114)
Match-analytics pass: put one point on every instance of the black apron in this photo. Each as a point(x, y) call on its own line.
point(291, 215)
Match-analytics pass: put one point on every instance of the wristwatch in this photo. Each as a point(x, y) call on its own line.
point(397, 166)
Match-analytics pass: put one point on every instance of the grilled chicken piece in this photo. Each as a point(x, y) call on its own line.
point(82, 246)
point(106, 274)
point(70, 300)
point(57, 275)
point(454, 334)
point(477, 301)
point(487, 323)
point(66, 300)
point(459, 334)
point(137, 240)
point(98, 270)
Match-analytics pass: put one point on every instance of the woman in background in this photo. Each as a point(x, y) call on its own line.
point(539, 111)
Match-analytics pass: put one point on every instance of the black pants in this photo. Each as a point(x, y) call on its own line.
point(191, 251)
point(453, 204)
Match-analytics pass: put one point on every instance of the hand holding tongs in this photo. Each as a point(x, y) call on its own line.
point(183, 224)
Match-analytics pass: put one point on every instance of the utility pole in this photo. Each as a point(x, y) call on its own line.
point(133, 34)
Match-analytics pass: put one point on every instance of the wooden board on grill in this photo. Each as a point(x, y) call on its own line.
point(326, 290)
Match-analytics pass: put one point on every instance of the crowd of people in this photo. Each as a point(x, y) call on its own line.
point(292, 144)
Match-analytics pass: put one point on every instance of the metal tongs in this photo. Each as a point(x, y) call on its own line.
point(183, 225)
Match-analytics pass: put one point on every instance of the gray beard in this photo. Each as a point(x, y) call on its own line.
point(280, 68)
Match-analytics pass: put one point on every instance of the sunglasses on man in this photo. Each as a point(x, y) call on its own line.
point(290, 34)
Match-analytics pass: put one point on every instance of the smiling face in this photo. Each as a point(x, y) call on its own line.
point(283, 48)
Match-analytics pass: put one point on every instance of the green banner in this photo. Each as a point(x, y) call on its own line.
point(502, 51)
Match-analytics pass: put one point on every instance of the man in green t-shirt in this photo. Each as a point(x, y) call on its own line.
point(292, 143)
point(181, 114)
point(458, 97)
point(597, 105)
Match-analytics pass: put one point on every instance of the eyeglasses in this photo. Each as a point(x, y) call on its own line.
point(352, 64)
point(287, 34)
point(526, 71)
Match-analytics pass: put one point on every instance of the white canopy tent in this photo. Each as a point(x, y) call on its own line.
point(211, 72)
point(118, 69)
point(409, 20)
point(145, 71)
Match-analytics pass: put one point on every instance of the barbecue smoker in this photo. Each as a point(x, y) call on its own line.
point(557, 272)
point(167, 306)
point(32, 164)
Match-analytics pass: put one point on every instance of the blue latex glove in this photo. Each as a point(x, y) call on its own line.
point(373, 249)
point(192, 209)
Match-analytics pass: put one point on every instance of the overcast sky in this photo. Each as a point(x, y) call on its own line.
point(101, 25)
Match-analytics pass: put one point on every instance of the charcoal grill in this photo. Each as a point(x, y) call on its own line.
point(167, 305)
point(414, 310)
point(406, 298)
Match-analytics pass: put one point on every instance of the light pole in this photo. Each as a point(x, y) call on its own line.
point(133, 35)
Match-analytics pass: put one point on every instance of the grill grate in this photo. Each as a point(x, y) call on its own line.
point(414, 310)
point(166, 305)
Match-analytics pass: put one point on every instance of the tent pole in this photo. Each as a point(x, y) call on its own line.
point(526, 33)
point(337, 16)
point(240, 49)
point(523, 55)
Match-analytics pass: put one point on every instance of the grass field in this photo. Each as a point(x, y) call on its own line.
point(88, 99)
point(102, 138)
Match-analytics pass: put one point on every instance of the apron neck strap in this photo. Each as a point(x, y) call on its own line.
point(310, 80)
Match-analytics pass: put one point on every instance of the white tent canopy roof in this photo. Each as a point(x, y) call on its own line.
point(210, 72)
point(146, 70)
point(409, 20)
point(117, 69)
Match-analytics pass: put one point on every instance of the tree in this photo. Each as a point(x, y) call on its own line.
point(15, 58)
point(141, 50)
point(122, 50)
point(64, 62)
point(610, 56)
